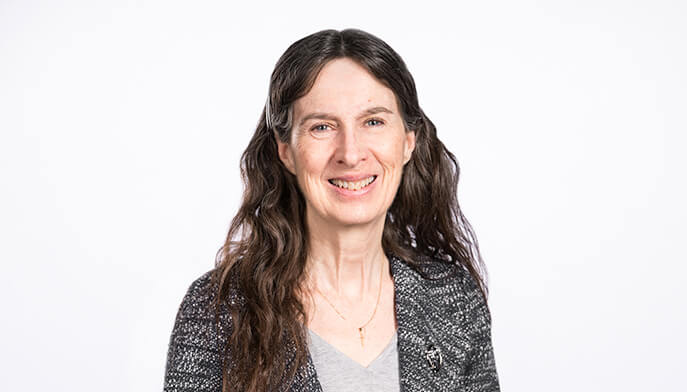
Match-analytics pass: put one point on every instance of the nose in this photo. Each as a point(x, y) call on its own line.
point(350, 151)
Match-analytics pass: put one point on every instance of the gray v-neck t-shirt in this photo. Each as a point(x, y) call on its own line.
point(339, 373)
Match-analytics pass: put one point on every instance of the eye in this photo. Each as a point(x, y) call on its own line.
point(374, 122)
point(320, 127)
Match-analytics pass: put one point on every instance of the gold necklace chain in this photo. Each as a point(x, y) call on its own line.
point(360, 329)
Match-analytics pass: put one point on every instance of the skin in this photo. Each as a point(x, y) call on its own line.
point(337, 135)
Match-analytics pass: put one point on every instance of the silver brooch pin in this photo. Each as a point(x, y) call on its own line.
point(433, 356)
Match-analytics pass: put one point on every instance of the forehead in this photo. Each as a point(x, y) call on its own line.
point(344, 86)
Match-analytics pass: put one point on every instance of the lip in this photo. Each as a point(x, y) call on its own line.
point(350, 194)
point(354, 177)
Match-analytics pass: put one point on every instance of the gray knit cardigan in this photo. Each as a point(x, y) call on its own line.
point(444, 335)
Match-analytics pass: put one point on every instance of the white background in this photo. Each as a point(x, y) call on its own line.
point(121, 126)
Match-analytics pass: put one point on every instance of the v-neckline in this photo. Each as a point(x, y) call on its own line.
point(412, 336)
point(382, 354)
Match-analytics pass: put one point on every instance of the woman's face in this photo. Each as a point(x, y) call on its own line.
point(348, 146)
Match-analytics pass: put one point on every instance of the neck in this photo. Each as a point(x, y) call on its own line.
point(346, 260)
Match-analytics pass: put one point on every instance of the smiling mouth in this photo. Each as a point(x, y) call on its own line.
point(353, 185)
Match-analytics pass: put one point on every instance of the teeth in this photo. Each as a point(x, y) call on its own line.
point(353, 186)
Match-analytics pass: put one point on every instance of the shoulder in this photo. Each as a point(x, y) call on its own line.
point(432, 272)
point(199, 297)
point(448, 288)
point(200, 300)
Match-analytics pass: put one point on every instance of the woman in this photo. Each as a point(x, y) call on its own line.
point(349, 265)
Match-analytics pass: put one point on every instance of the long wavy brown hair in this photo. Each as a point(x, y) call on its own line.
point(266, 249)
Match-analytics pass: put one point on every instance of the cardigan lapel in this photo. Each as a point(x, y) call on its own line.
point(415, 338)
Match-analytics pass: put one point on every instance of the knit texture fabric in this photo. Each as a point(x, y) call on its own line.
point(444, 335)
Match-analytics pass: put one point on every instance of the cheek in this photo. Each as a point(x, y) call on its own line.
point(311, 163)
point(391, 154)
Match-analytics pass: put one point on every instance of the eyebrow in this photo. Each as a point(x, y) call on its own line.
point(331, 117)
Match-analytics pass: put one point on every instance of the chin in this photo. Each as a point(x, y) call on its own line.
point(357, 218)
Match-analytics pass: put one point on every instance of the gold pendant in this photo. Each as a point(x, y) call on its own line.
point(360, 330)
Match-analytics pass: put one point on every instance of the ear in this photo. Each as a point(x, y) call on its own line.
point(285, 154)
point(409, 146)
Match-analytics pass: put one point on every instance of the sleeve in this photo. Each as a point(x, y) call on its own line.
point(481, 375)
point(193, 358)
